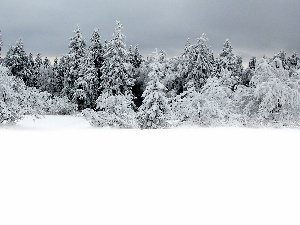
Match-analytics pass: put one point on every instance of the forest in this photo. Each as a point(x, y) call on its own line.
point(113, 85)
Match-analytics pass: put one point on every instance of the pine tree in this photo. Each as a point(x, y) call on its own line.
point(117, 77)
point(154, 111)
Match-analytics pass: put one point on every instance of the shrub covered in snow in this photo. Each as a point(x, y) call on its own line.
point(61, 106)
point(113, 110)
point(16, 99)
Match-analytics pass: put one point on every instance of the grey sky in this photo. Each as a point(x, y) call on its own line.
point(255, 27)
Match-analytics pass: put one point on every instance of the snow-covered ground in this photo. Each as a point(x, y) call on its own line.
point(60, 170)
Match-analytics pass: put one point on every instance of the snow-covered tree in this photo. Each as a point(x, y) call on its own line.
point(154, 111)
point(117, 77)
point(273, 96)
point(17, 62)
point(197, 62)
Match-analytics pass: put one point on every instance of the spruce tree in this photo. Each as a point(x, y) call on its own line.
point(117, 77)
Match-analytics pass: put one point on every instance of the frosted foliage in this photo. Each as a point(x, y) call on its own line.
point(186, 106)
point(154, 111)
point(216, 105)
point(113, 110)
point(276, 94)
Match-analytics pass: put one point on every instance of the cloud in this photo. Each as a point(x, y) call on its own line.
point(45, 26)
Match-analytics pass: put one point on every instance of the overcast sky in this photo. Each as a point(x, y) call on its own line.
point(255, 27)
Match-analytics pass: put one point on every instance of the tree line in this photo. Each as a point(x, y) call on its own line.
point(113, 85)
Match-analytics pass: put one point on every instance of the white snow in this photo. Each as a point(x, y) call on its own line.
point(60, 170)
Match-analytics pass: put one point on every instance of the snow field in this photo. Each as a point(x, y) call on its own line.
point(59, 170)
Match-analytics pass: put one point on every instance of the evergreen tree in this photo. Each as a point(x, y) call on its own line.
point(154, 111)
point(117, 77)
